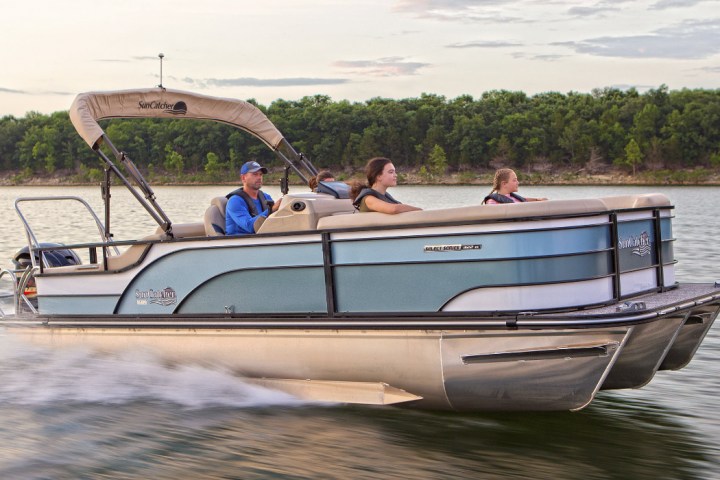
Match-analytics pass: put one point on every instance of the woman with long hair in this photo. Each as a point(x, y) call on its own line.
point(373, 196)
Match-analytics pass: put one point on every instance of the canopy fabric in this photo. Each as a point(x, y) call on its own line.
point(90, 107)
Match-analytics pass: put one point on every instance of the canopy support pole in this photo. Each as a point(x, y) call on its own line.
point(299, 163)
point(148, 202)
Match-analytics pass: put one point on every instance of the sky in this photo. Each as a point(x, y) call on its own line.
point(351, 49)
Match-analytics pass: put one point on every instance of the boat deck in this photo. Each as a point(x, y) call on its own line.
point(642, 309)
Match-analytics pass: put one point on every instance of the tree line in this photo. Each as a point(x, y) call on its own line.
point(656, 130)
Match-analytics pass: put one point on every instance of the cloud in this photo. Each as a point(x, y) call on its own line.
point(688, 40)
point(457, 10)
point(383, 67)
point(125, 60)
point(483, 44)
point(547, 57)
point(665, 4)
point(591, 11)
point(10, 90)
point(56, 92)
point(625, 87)
point(542, 58)
point(262, 82)
point(26, 92)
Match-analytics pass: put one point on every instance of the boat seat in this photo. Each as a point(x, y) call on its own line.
point(495, 212)
point(128, 258)
point(183, 230)
point(301, 212)
point(214, 218)
point(619, 202)
point(132, 255)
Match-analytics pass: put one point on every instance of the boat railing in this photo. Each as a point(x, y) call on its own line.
point(13, 278)
point(20, 300)
point(108, 245)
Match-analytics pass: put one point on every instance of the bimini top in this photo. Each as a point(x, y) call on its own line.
point(90, 107)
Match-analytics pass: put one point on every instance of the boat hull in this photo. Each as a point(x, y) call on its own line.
point(463, 371)
point(462, 363)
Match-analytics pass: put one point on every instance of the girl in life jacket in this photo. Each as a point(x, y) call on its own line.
point(505, 187)
point(373, 196)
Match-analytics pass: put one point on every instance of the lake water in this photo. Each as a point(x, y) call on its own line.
point(77, 415)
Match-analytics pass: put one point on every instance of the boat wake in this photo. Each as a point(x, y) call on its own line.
point(32, 375)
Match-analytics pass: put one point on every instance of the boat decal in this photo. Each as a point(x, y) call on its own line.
point(178, 108)
point(450, 248)
point(640, 244)
point(165, 297)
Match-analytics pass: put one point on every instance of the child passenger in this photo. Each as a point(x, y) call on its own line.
point(505, 187)
point(322, 176)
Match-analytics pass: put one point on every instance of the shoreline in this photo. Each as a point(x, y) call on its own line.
point(694, 177)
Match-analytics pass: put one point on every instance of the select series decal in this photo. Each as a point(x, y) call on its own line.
point(165, 297)
point(450, 248)
point(640, 244)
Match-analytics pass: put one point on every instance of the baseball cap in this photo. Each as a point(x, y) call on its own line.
point(250, 167)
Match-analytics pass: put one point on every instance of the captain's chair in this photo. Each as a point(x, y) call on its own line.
point(214, 218)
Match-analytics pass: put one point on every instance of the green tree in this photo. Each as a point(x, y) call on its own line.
point(173, 160)
point(679, 128)
point(213, 168)
point(438, 161)
point(633, 155)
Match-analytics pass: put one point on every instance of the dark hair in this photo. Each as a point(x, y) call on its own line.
point(373, 169)
point(322, 175)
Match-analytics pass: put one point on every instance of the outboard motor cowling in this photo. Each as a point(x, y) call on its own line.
point(54, 258)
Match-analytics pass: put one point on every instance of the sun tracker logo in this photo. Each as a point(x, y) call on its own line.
point(640, 244)
point(177, 108)
point(164, 297)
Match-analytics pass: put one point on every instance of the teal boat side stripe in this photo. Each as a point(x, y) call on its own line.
point(666, 228)
point(293, 290)
point(427, 287)
point(474, 247)
point(77, 305)
point(164, 284)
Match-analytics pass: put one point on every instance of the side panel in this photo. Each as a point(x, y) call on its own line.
point(422, 270)
point(76, 304)
point(427, 287)
point(228, 276)
point(534, 297)
point(292, 290)
point(638, 248)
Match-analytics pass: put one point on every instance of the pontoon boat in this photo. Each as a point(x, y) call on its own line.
point(533, 306)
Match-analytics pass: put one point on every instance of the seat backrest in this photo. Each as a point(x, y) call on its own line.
point(214, 218)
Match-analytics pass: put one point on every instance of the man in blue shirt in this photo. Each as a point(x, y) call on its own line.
point(248, 207)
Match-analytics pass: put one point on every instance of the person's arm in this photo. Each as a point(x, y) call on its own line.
point(237, 212)
point(276, 205)
point(530, 199)
point(377, 205)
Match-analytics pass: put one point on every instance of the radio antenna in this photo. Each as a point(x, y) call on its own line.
point(161, 57)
